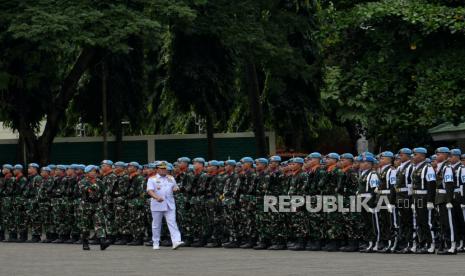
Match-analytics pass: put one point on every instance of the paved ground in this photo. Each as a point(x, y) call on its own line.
point(42, 259)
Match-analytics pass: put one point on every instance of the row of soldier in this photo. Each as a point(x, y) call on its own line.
point(221, 203)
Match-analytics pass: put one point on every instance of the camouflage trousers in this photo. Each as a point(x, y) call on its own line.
point(76, 228)
point(333, 226)
point(121, 226)
point(352, 223)
point(8, 215)
point(198, 218)
point(214, 220)
point(70, 217)
point(263, 223)
point(182, 216)
point(34, 216)
point(231, 213)
point(299, 224)
point(47, 217)
point(59, 211)
point(278, 227)
point(247, 227)
point(109, 211)
point(136, 217)
point(92, 217)
point(20, 215)
point(148, 219)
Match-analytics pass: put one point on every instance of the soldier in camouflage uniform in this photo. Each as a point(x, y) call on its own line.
point(196, 192)
point(2, 225)
point(20, 203)
point(183, 178)
point(59, 204)
point(247, 197)
point(32, 202)
point(277, 228)
point(119, 194)
point(331, 184)
point(108, 179)
point(315, 172)
point(230, 206)
point(262, 218)
point(45, 207)
point(298, 184)
point(79, 172)
point(7, 198)
point(136, 204)
point(148, 172)
point(70, 197)
point(352, 220)
point(92, 191)
point(212, 228)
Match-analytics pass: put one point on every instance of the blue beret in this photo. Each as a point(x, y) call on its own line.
point(230, 162)
point(405, 151)
point(120, 164)
point(463, 156)
point(18, 167)
point(34, 165)
point(107, 162)
point(52, 166)
point(247, 160)
point(184, 159)
point(347, 156)
point(81, 167)
point(134, 164)
point(170, 167)
point(369, 159)
point(367, 153)
point(47, 169)
point(420, 150)
point(214, 163)
point(428, 160)
point(199, 160)
point(191, 168)
point(262, 160)
point(221, 163)
point(151, 165)
point(433, 157)
point(275, 158)
point(72, 166)
point(8, 167)
point(238, 164)
point(314, 155)
point(61, 167)
point(387, 154)
point(442, 150)
point(90, 168)
point(456, 152)
point(333, 155)
point(297, 160)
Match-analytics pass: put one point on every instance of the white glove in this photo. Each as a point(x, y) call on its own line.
point(376, 190)
point(430, 205)
point(412, 206)
point(449, 206)
point(390, 208)
point(462, 206)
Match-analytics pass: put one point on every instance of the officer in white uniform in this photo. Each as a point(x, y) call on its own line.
point(160, 188)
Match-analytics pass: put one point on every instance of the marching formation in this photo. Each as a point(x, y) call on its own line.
point(221, 203)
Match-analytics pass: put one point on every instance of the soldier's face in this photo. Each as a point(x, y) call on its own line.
point(246, 166)
point(92, 174)
point(314, 162)
point(384, 161)
point(463, 161)
point(366, 165)
point(183, 165)
point(5, 171)
point(132, 169)
point(162, 172)
point(70, 172)
point(442, 157)
point(418, 157)
point(16, 172)
point(346, 163)
point(31, 170)
point(260, 166)
point(330, 161)
point(454, 159)
point(198, 166)
point(274, 165)
point(44, 174)
point(404, 157)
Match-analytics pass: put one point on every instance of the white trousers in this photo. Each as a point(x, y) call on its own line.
point(170, 217)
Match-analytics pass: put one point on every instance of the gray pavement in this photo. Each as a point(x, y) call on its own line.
point(47, 259)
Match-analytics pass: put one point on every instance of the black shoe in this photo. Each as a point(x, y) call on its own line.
point(212, 245)
point(166, 243)
point(247, 245)
point(136, 242)
point(122, 241)
point(332, 246)
point(78, 241)
point(298, 246)
point(260, 246)
point(290, 244)
point(198, 244)
point(277, 247)
point(94, 241)
point(61, 239)
point(313, 246)
point(103, 244)
point(352, 246)
point(2, 235)
point(231, 244)
point(149, 243)
point(12, 237)
point(85, 244)
point(35, 239)
point(47, 238)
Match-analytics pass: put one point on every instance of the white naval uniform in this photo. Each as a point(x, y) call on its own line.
point(163, 187)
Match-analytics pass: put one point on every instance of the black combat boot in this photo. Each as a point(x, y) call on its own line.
point(299, 245)
point(136, 242)
point(352, 246)
point(61, 239)
point(12, 237)
point(247, 245)
point(277, 246)
point(212, 244)
point(110, 239)
point(34, 239)
point(149, 243)
point(85, 244)
point(231, 244)
point(165, 243)
point(198, 243)
point(103, 244)
point(22, 237)
point(2, 235)
point(332, 246)
point(260, 246)
point(122, 241)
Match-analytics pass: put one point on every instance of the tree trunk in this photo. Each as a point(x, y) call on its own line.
point(256, 110)
point(210, 138)
point(104, 111)
point(119, 141)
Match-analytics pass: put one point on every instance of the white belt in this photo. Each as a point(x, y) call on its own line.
point(366, 195)
point(402, 190)
point(458, 190)
point(385, 192)
point(420, 192)
point(441, 191)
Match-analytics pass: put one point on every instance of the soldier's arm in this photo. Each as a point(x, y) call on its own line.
point(449, 183)
point(430, 183)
